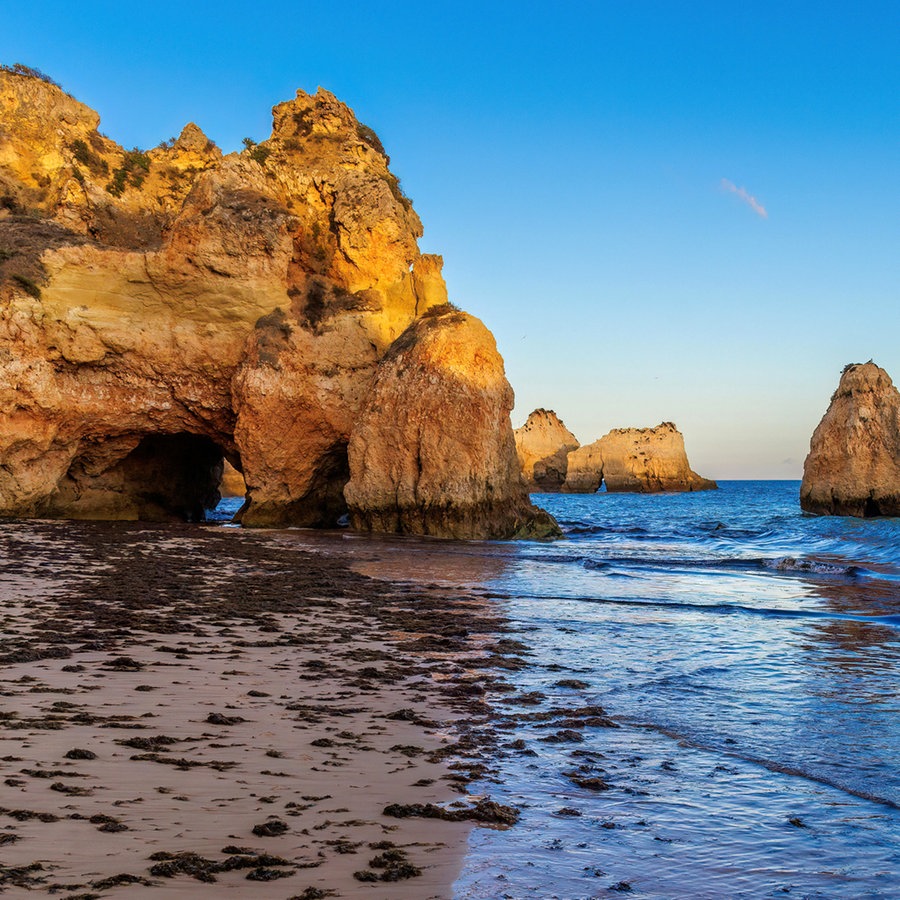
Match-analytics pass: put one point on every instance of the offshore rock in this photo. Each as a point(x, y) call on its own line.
point(543, 444)
point(853, 466)
point(164, 311)
point(642, 460)
point(433, 451)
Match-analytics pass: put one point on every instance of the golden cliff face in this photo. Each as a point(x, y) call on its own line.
point(640, 460)
point(543, 444)
point(156, 305)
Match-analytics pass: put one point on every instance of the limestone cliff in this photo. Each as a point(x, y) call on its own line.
point(643, 460)
point(543, 444)
point(163, 310)
point(853, 466)
point(433, 450)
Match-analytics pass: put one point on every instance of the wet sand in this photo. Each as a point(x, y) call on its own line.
point(199, 711)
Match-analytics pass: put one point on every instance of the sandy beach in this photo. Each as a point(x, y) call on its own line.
point(194, 711)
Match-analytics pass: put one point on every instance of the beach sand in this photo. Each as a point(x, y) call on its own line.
point(184, 708)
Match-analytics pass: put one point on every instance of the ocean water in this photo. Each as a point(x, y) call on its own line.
point(749, 655)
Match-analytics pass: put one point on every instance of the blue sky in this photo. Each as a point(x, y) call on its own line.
point(595, 174)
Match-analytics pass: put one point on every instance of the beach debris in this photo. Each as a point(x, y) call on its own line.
point(485, 812)
point(77, 753)
point(270, 828)
point(222, 719)
point(262, 866)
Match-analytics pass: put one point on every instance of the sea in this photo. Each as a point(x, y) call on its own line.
point(749, 655)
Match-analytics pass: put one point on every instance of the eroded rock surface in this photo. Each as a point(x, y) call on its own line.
point(161, 311)
point(853, 466)
point(543, 444)
point(433, 451)
point(643, 460)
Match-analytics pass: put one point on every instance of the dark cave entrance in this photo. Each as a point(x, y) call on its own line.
point(174, 477)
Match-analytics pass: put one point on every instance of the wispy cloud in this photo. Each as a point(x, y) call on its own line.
point(747, 197)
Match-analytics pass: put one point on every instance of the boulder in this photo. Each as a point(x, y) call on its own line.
point(642, 460)
point(853, 466)
point(433, 451)
point(542, 445)
point(162, 312)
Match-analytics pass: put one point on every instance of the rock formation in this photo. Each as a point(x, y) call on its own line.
point(853, 466)
point(643, 460)
point(232, 483)
point(432, 452)
point(163, 311)
point(542, 445)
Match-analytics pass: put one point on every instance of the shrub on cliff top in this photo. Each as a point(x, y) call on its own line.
point(368, 136)
point(28, 72)
point(255, 152)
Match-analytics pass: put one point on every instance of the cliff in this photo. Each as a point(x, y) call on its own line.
point(853, 466)
point(643, 460)
point(163, 311)
point(542, 446)
point(432, 452)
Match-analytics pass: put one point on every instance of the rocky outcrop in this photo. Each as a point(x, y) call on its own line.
point(232, 483)
point(853, 466)
point(163, 311)
point(433, 450)
point(542, 445)
point(643, 460)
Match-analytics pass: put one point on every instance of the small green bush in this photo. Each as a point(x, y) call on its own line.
point(88, 157)
point(255, 152)
point(368, 136)
point(28, 286)
point(133, 171)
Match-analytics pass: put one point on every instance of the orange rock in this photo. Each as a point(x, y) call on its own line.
point(162, 312)
point(853, 466)
point(543, 444)
point(433, 450)
point(643, 460)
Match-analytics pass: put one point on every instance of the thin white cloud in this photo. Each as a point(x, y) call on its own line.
point(748, 198)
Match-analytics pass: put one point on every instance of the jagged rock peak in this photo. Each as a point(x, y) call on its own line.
point(542, 445)
point(853, 466)
point(192, 139)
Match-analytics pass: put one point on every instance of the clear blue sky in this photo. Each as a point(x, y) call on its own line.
point(595, 175)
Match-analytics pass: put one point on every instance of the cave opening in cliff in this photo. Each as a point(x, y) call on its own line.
point(173, 477)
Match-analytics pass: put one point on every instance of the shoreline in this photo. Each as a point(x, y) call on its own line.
point(169, 689)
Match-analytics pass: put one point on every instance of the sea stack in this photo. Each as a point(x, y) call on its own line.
point(164, 311)
point(853, 466)
point(543, 444)
point(641, 460)
point(432, 451)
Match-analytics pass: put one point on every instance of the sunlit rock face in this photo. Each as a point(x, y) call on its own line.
point(543, 444)
point(642, 460)
point(433, 451)
point(163, 311)
point(853, 466)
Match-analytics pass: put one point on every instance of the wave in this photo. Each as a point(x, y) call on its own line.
point(782, 565)
point(817, 567)
point(728, 609)
point(775, 766)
